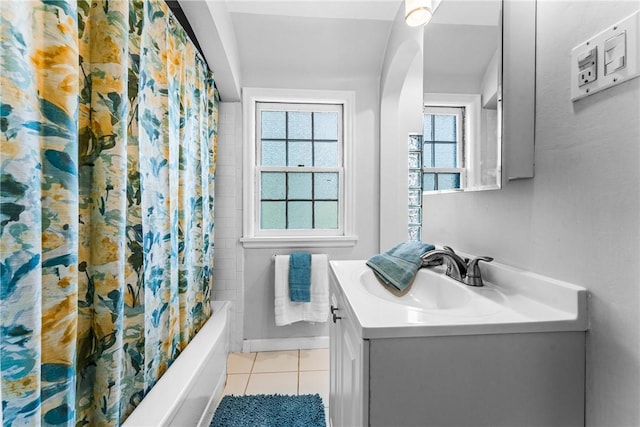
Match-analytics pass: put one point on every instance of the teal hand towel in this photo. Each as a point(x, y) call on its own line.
point(398, 266)
point(300, 277)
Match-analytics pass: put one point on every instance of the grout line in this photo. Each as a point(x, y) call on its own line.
point(298, 385)
point(253, 364)
point(246, 386)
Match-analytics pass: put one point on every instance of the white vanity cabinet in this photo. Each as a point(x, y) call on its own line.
point(349, 372)
point(389, 370)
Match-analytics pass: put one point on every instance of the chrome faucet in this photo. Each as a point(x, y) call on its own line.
point(474, 277)
point(458, 268)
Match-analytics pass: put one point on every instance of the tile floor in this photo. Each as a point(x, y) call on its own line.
point(282, 372)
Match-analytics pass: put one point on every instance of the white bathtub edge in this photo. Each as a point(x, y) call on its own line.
point(212, 405)
point(171, 389)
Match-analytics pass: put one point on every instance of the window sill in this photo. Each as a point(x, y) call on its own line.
point(298, 242)
point(448, 191)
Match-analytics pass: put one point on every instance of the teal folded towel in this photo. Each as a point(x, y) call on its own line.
point(399, 265)
point(300, 277)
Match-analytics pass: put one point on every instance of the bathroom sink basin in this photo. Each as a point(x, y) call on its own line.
point(429, 291)
point(433, 291)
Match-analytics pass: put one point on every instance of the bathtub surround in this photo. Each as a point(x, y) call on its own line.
point(228, 274)
point(108, 158)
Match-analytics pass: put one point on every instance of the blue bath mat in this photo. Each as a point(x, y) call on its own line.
point(270, 410)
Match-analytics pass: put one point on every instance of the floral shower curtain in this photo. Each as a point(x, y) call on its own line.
point(108, 119)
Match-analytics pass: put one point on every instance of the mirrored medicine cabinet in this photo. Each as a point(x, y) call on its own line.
point(479, 97)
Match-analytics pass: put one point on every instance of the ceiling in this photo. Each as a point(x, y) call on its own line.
point(290, 43)
point(459, 44)
point(384, 10)
point(283, 42)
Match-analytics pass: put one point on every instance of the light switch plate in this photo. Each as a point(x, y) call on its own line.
point(623, 62)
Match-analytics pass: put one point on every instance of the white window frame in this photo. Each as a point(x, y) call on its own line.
point(459, 112)
point(472, 117)
point(253, 236)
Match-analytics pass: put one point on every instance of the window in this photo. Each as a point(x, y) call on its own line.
point(299, 165)
point(442, 153)
point(436, 159)
point(415, 187)
point(297, 174)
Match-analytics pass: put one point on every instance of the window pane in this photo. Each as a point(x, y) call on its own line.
point(428, 181)
point(273, 153)
point(445, 156)
point(326, 214)
point(325, 154)
point(415, 197)
point(414, 215)
point(428, 127)
point(273, 125)
point(414, 179)
point(414, 161)
point(272, 186)
point(299, 125)
point(325, 126)
point(272, 215)
point(445, 126)
point(415, 142)
point(300, 153)
point(300, 186)
point(299, 216)
point(447, 181)
point(414, 232)
point(326, 185)
point(426, 155)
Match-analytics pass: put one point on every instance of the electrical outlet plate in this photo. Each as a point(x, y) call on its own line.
point(600, 46)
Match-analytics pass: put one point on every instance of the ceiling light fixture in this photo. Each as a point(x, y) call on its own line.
point(417, 12)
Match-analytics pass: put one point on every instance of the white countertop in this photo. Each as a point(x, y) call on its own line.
point(512, 301)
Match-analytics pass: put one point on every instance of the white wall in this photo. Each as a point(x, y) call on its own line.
point(219, 46)
point(259, 320)
point(401, 88)
point(578, 219)
point(245, 276)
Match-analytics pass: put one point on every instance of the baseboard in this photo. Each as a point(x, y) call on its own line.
point(280, 344)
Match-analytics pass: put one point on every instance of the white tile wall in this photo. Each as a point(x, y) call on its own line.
point(228, 271)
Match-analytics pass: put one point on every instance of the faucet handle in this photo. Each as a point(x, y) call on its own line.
point(474, 276)
point(450, 249)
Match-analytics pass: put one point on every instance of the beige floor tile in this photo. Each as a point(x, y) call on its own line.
point(236, 384)
point(240, 363)
point(312, 382)
point(314, 360)
point(276, 361)
point(273, 382)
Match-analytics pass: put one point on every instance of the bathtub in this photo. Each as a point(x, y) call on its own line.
point(189, 392)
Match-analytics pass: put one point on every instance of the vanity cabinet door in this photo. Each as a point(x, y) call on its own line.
point(351, 375)
point(335, 382)
point(347, 392)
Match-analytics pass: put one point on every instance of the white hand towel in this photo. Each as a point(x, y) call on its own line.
point(317, 310)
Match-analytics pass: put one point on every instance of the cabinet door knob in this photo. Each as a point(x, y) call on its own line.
point(334, 309)
point(336, 317)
